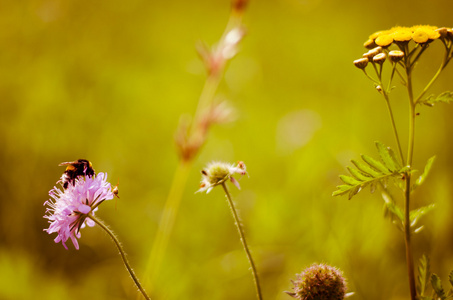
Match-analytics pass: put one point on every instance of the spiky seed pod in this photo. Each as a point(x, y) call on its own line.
point(319, 281)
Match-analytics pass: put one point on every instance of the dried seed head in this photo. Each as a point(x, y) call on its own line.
point(361, 63)
point(319, 281)
point(379, 58)
point(396, 55)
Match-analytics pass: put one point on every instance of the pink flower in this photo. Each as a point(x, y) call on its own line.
point(68, 209)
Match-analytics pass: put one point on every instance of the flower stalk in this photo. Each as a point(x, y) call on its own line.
point(123, 254)
point(244, 242)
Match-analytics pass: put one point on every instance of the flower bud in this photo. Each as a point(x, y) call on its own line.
point(375, 51)
point(361, 63)
point(379, 58)
point(443, 32)
point(369, 44)
point(396, 55)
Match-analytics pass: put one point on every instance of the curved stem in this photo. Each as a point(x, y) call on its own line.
point(244, 242)
point(123, 254)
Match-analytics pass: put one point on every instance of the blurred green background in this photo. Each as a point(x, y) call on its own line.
point(109, 80)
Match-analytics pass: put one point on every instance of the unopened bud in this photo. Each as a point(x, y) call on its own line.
point(369, 44)
point(396, 55)
point(379, 58)
point(443, 32)
point(373, 52)
point(361, 63)
point(379, 88)
point(450, 33)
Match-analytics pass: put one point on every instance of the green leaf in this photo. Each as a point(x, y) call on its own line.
point(366, 169)
point(388, 157)
point(424, 275)
point(350, 180)
point(445, 97)
point(423, 176)
point(358, 174)
point(369, 172)
point(377, 165)
point(416, 214)
point(437, 287)
point(391, 206)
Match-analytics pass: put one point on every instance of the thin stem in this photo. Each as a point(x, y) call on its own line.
point(395, 131)
point(123, 254)
point(174, 197)
point(166, 223)
point(407, 238)
point(244, 242)
point(442, 66)
point(410, 151)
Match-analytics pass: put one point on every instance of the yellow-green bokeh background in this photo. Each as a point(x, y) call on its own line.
point(109, 80)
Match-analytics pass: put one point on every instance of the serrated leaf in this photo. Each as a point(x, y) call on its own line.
point(423, 176)
point(368, 173)
point(366, 169)
point(354, 192)
point(445, 97)
point(377, 165)
point(392, 207)
point(358, 174)
point(388, 157)
point(350, 180)
point(424, 274)
point(416, 214)
point(437, 286)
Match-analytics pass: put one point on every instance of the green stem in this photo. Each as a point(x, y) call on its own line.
point(395, 131)
point(442, 66)
point(123, 254)
point(244, 242)
point(410, 151)
point(166, 223)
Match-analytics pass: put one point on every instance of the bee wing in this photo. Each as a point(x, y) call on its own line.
point(67, 163)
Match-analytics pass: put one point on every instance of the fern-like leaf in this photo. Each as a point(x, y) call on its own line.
point(437, 287)
point(445, 97)
point(388, 157)
point(369, 172)
point(423, 176)
point(424, 275)
point(416, 214)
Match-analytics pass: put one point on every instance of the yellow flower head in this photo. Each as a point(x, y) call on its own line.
point(384, 40)
point(420, 36)
point(402, 34)
point(423, 33)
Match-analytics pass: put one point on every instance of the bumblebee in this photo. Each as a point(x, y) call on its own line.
point(74, 169)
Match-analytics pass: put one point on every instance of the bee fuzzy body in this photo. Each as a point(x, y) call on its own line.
point(74, 169)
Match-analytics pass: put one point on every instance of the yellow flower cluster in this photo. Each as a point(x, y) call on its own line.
point(419, 34)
